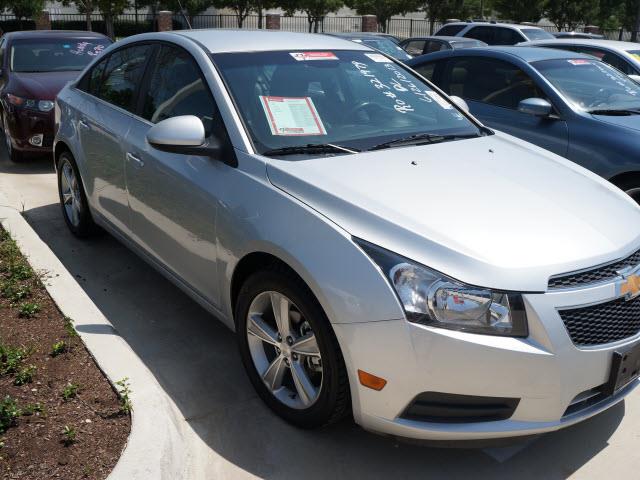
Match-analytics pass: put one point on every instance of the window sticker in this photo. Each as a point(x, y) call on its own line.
point(377, 57)
point(307, 56)
point(292, 116)
point(90, 49)
point(579, 61)
point(438, 99)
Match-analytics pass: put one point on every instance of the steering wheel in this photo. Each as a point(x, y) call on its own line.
point(361, 107)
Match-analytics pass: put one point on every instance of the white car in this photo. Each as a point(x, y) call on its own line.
point(493, 33)
point(376, 249)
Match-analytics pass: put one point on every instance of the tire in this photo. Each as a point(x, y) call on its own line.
point(14, 155)
point(631, 187)
point(73, 201)
point(333, 401)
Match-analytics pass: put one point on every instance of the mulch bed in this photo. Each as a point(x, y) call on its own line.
point(42, 434)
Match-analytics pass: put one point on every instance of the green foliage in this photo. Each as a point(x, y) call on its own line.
point(11, 359)
point(24, 375)
point(27, 8)
point(314, 9)
point(519, 10)
point(9, 412)
point(28, 309)
point(124, 389)
point(70, 391)
point(58, 348)
point(69, 328)
point(69, 435)
point(383, 9)
point(568, 14)
point(32, 408)
point(242, 8)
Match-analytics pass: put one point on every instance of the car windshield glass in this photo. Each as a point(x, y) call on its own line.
point(60, 54)
point(591, 84)
point(536, 34)
point(385, 46)
point(353, 99)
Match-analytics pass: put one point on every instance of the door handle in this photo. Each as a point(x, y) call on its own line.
point(135, 160)
point(83, 124)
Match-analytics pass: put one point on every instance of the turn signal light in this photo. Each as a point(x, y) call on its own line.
point(371, 381)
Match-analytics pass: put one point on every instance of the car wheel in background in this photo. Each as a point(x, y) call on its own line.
point(13, 154)
point(73, 200)
point(289, 350)
point(631, 187)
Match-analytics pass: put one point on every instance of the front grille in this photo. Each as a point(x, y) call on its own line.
point(595, 275)
point(602, 323)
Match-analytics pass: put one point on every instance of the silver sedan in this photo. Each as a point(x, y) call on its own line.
point(376, 249)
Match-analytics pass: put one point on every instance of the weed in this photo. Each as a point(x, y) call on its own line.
point(25, 375)
point(68, 326)
point(58, 348)
point(124, 389)
point(28, 309)
point(9, 412)
point(69, 435)
point(11, 359)
point(32, 408)
point(70, 391)
point(14, 291)
point(20, 270)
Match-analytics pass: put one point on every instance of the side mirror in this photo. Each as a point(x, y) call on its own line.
point(635, 78)
point(180, 134)
point(538, 107)
point(460, 103)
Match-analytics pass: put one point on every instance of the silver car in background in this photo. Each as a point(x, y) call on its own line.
point(376, 249)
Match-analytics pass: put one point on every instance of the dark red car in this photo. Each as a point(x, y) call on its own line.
point(34, 66)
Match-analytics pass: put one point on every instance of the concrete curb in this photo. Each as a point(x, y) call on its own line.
point(155, 448)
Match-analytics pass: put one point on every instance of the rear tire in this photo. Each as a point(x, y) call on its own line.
point(311, 388)
point(73, 201)
point(632, 188)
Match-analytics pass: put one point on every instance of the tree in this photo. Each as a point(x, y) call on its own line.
point(189, 7)
point(109, 10)
point(519, 10)
point(83, 6)
point(26, 9)
point(610, 13)
point(440, 10)
point(242, 8)
point(315, 10)
point(568, 14)
point(383, 9)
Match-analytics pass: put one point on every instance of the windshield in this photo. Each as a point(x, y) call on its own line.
point(536, 34)
point(591, 84)
point(385, 46)
point(354, 99)
point(60, 54)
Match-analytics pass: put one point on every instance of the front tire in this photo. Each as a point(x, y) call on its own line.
point(14, 155)
point(289, 350)
point(75, 208)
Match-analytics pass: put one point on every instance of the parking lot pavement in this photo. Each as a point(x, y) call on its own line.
point(194, 359)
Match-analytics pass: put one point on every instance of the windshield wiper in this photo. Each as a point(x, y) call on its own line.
point(309, 148)
point(421, 139)
point(615, 111)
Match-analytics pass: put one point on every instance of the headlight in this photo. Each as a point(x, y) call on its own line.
point(45, 105)
point(42, 105)
point(431, 298)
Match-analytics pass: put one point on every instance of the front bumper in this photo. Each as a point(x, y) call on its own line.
point(546, 372)
point(23, 124)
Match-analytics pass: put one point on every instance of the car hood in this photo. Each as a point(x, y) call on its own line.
point(628, 121)
point(40, 85)
point(493, 211)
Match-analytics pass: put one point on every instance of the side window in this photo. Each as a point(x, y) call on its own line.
point(122, 75)
point(434, 46)
point(176, 87)
point(489, 81)
point(90, 83)
point(507, 36)
point(595, 52)
point(426, 70)
point(415, 47)
point(484, 34)
point(450, 30)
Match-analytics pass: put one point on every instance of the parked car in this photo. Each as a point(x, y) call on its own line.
point(375, 248)
point(379, 42)
point(568, 103)
point(625, 56)
point(34, 66)
point(575, 35)
point(494, 33)
point(416, 46)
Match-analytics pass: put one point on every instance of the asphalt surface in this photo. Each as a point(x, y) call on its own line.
point(195, 361)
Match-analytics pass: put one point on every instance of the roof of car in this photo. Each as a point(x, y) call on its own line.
point(526, 54)
point(445, 38)
point(613, 44)
point(53, 33)
point(516, 26)
point(233, 40)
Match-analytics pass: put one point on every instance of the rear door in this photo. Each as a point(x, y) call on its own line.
point(104, 123)
point(493, 89)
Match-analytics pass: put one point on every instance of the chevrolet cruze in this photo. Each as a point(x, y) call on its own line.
point(376, 249)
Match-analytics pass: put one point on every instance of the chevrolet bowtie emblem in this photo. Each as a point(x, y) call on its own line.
point(629, 286)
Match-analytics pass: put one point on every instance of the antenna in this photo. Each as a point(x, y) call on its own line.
point(184, 16)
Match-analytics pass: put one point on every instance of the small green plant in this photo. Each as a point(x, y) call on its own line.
point(68, 326)
point(9, 412)
point(32, 408)
point(58, 348)
point(11, 359)
point(20, 270)
point(24, 375)
point(14, 291)
point(69, 434)
point(28, 309)
point(124, 389)
point(70, 391)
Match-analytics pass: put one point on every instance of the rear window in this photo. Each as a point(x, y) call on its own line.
point(536, 34)
point(52, 55)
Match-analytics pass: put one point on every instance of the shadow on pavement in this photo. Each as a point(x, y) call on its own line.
point(28, 166)
point(194, 358)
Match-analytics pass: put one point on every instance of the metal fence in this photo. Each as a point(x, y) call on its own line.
point(132, 23)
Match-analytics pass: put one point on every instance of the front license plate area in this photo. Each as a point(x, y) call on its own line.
point(625, 368)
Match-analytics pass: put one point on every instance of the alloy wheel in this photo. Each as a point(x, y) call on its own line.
point(284, 350)
point(71, 197)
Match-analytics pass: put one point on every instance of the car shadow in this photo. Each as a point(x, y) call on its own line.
point(194, 358)
point(29, 166)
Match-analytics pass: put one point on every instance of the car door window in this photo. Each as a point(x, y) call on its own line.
point(91, 81)
point(484, 34)
point(415, 47)
point(434, 46)
point(490, 81)
point(507, 36)
point(176, 87)
point(426, 70)
point(123, 74)
point(450, 30)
